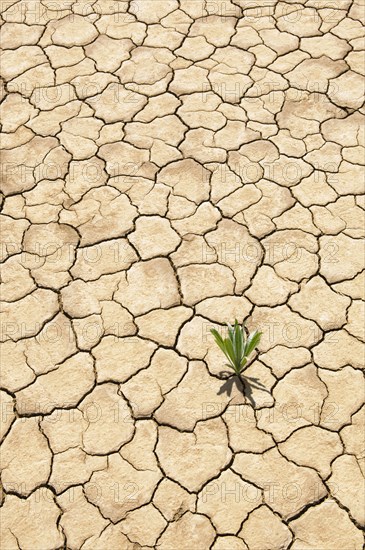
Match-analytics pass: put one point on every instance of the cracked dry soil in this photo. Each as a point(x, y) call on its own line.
point(167, 166)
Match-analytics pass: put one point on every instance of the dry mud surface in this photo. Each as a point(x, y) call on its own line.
point(169, 165)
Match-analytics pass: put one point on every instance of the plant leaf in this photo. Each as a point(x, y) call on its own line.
point(230, 352)
point(243, 363)
point(219, 340)
point(238, 341)
point(243, 333)
point(252, 341)
point(230, 331)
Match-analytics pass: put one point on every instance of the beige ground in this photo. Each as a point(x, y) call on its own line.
point(170, 165)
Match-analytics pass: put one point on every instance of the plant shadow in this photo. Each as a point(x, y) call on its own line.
point(244, 384)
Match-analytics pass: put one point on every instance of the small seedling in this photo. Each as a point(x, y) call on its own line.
point(237, 348)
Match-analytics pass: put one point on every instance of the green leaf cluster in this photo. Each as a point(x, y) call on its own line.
point(236, 347)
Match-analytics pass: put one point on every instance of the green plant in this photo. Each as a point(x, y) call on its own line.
point(237, 348)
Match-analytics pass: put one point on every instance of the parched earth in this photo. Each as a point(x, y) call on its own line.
point(170, 165)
